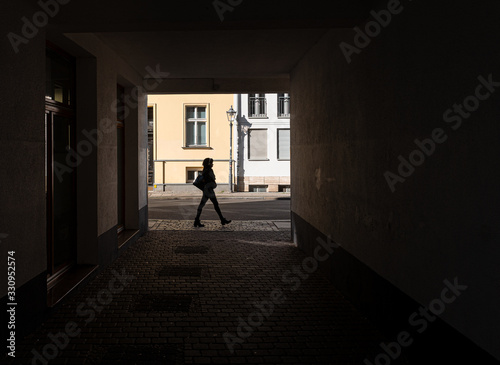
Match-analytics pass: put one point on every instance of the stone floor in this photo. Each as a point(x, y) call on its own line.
point(212, 295)
point(214, 225)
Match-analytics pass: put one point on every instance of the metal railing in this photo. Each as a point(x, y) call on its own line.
point(200, 162)
point(257, 107)
point(284, 106)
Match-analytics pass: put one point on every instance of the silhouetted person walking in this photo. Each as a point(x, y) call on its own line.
point(209, 193)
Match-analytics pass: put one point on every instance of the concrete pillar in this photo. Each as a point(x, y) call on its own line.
point(87, 179)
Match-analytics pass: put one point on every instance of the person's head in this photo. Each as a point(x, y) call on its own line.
point(208, 162)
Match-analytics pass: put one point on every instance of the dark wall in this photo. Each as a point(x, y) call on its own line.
point(22, 186)
point(355, 120)
point(22, 147)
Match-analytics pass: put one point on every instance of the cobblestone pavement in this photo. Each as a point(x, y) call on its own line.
point(214, 225)
point(212, 295)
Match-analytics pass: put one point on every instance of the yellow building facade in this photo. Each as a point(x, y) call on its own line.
point(183, 131)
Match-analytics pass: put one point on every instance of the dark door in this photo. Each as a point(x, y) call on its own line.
point(61, 191)
point(61, 161)
point(120, 157)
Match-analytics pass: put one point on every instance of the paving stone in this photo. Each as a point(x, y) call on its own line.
point(242, 264)
point(162, 303)
point(190, 250)
point(180, 271)
point(214, 225)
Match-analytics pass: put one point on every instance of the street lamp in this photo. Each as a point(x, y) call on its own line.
point(231, 117)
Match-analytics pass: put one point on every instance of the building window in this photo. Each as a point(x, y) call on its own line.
point(283, 144)
point(192, 173)
point(258, 188)
point(60, 78)
point(283, 188)
point(283, 105)
point(257, 106)
point(257, 144)
point(196, 126)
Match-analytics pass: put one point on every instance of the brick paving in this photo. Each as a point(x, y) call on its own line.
point(214, 225)
point(180, 295)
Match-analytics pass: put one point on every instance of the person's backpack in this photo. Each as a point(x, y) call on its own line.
point(199, 182)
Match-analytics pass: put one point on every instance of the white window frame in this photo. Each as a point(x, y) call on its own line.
point(249, 144)
point(196, 170)
point(195, 120)
point(262, 106)
point(281, 105)
point(278, 144)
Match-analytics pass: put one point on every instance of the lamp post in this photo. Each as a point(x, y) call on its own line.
point(231, 116)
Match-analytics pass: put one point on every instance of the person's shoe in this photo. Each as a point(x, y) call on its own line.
point(197, 223)
point(225, 221)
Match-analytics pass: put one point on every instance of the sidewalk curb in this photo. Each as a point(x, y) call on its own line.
point(261, 196)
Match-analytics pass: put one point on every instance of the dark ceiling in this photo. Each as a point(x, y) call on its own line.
point(210, 38)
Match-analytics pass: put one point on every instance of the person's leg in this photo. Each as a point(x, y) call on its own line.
point(217, 209)
point(203, 201)
point(216, 206)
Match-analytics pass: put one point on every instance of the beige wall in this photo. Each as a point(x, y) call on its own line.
point(169, 136)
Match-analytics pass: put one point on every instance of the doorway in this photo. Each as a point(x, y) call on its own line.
point(120, 157)
point(60, 163)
